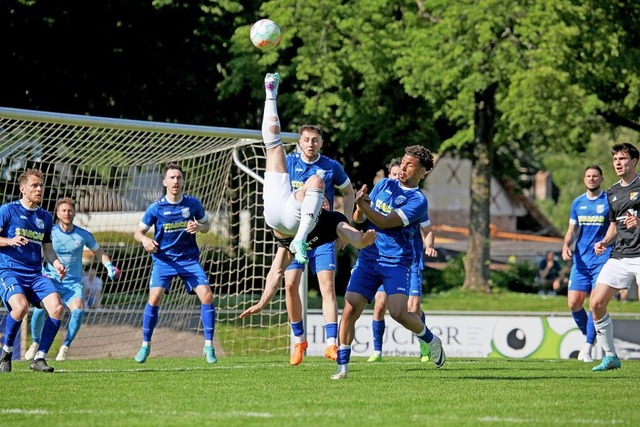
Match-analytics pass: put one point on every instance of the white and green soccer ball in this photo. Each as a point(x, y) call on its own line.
point(265, 34)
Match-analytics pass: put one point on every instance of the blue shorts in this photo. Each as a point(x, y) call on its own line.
point(415, 289)
point(69, 290)
point(584, 279)
point(367, 276)
point(191, 273)
point(35, 287)
point(321, 258)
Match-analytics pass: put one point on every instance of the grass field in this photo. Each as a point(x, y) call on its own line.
point(266, 391)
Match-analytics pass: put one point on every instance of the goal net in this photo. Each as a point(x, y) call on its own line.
point(112, 169)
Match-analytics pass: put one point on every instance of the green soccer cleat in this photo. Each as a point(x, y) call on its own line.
point(608, 363)
point(425, 353)
point(143, 353)
point(209, 354)
point(299, 249)
point(375, 358)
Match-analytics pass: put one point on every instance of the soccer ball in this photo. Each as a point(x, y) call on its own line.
point(265, 34)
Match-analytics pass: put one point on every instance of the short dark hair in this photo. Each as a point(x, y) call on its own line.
point(396, 161)
point(422, 154)
point(596, 167)
point(310, 128)
point(627, 148)
point(171, 165)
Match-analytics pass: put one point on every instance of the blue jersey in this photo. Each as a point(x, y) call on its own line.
point(592, 217)
point(35, 225)
point(333, 174)
point(170, 222)
point(69, 247)
point(395, 246)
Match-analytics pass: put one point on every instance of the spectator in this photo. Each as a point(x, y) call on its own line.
point(548, 277)
point(92, 289)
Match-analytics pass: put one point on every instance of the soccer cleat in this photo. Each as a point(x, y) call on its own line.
point(62, 354)
point(375, 358)
point(585, 355)
point(425, 354)
point(143, 353)
point(608, 363)
point(299, 249)
point(31, 352)
point(209, 354)
point(40, 365)
point(331, 352)
point(341, 373)
point(271, 82)
point(437, 352)
point(298, 352)
point(5, 361)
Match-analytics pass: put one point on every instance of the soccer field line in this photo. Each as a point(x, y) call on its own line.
point(155, 411)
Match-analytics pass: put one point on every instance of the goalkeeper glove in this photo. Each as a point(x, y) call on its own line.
point(112, 271)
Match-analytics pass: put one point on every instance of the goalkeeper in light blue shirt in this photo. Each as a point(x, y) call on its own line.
point(68, 242)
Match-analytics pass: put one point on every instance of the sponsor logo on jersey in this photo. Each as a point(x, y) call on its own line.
point(383, 207)
point(297, 184)
point(36, 236)
point(172, 227)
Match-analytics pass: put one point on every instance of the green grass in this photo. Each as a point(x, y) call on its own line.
point(266, 391)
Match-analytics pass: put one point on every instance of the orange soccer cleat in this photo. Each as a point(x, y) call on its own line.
point(331, 352)
point(298, 352)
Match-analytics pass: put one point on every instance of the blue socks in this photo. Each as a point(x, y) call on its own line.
point(378, 327)
point(37, 323)
point(208, 315)
point(581, 318)
point(74, 326)
point(297, 328)
point(149, 321)
point(11, 329)
point(49, 332)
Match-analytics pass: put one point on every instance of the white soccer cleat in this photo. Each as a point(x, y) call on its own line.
point(585, 354)
point(437, 352)
point(341, 373)
point(271, 83)
point(62, 354)
point(31, 352)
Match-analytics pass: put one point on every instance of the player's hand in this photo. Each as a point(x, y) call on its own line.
point(150, 245)
point(599, 248)
point(340, 244)
point(362, 196)
point(567, 254)
point(431, 252)
point(62, 270)
point(631, 221)
point(112, 271)
point(254, 309)
point(18, 241)
point(193, 226)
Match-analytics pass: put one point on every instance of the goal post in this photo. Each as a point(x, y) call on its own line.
point(112, 169)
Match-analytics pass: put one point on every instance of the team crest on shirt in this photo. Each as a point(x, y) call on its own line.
point(39, 223)
point(633, 195)
point(400, 200)
point(185, 212)
point(600, 209)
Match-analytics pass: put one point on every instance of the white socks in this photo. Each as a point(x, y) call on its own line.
point(309, 212)
point(604, 329)
point(271, 124)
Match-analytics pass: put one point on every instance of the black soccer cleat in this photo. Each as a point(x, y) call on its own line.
point(5, 361)
point(40, 365)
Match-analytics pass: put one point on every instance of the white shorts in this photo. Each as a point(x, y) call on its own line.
point(620, 273)
point(281, 209)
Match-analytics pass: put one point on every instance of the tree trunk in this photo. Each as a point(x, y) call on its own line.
point(477, 260)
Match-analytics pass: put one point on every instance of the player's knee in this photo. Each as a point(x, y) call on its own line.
point(56, 312)
point(19, 310)
point(314, 181)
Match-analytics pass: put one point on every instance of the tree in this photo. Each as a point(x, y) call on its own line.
point(533, 72)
